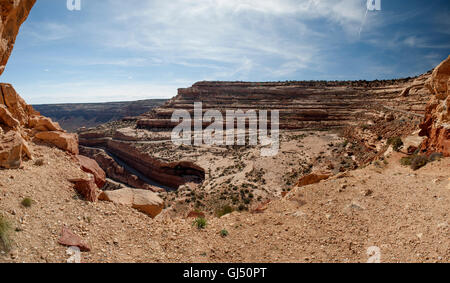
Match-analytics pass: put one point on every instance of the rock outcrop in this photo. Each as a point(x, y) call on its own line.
point(91, 166)
point(12, 15)
point(436, 126)
point(145, 201)
point(12, 149)
point(21, 124)
point(87, 188)
point(114, 171)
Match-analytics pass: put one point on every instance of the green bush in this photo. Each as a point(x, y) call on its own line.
point(435, 157)
point(27, 202)
point(396, 143)
point(200, 223)
point(224, 210)
point(224, 233)
point(5, 231)
point(406, 161)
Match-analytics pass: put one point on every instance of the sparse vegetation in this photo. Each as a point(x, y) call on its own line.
point(406, 161)
point(224, 211)
point(5, 231)
point(200, 223)
point(39, 162)
point(396, 143)
point(435, 157)
point(224, 233)
point(418, 162)
point(27, 202)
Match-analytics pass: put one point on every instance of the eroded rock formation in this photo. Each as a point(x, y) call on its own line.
point(20, 124)
point(144, 142)
point(436, 126)
point(12, 15)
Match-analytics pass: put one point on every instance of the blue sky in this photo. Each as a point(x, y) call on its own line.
point(115, 50)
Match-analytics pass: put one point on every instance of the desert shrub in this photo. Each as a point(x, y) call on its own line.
point(27, 202)
point(224, 211)
point(39, 162)
point(5, 231)
point(224, 233)
point(418, 162)
point(200, 223)
point(406, 161)
point(435, 157)
point(396, 143)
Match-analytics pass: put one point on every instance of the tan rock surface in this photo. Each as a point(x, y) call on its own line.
point(64, 141)
point(91, 166)
point(436, 126)
point(145, 201)
point(11, 150)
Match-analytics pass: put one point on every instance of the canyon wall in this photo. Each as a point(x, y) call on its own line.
point(144, 142)
point(436, 126)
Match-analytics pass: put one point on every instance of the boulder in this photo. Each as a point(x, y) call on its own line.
point(64, 141)
point(43, 124)
point(310, 179)
point(6, 117)
point(145, 201)
point(91, 166)
point(87, 188)
point(12, 150)
point(69, 239)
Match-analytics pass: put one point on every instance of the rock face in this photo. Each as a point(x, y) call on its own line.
point(20, 123)
point(12, 15)
point(436, 126)
point(64, 141)
point(12, 149)
point(142, 200)
point(114, 170)
point(144, 142)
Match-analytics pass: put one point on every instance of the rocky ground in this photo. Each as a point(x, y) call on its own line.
point(404, 213)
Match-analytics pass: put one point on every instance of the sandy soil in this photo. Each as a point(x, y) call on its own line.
point(403, 213)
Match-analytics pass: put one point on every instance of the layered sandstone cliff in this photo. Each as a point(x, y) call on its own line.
point(143, 143)
point(436, 126)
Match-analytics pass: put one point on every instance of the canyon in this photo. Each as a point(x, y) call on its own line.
point(340, 185)
point(78, 115)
